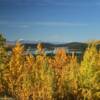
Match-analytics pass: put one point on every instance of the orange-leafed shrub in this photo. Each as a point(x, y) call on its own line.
point(41, 77)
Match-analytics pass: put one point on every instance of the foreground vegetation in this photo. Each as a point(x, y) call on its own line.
point(25, 77)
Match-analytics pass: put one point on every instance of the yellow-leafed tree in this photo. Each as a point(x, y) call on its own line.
point(90, 72)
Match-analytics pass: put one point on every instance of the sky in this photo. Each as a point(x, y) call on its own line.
point(50, 20)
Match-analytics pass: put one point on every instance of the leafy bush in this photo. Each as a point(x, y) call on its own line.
point(28, 77)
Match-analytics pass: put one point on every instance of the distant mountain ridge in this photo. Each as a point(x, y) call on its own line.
point(33, 44)
point(49, 45)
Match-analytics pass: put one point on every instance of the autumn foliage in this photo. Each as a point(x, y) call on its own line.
point(61, 77)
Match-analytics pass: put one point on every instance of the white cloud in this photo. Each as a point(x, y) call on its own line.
point(60, 24)
point(14, 25)
point(52, 2)
point(63, 3)
point(24, 26)
point(32, 24)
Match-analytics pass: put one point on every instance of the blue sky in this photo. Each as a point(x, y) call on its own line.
point(50, 20)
